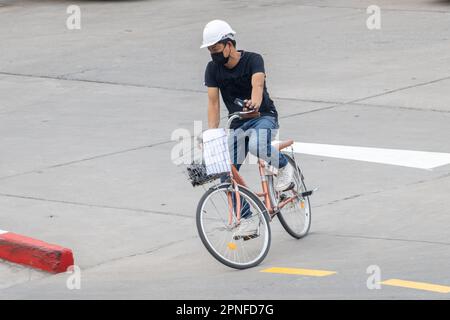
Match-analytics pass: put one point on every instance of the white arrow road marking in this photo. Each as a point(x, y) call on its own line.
point(404, 158)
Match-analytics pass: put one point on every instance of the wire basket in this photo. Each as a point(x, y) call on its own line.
point(215, 151)
point(198, 176)
point(208, 159)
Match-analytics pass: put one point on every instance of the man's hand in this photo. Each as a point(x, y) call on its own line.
point(250, 105)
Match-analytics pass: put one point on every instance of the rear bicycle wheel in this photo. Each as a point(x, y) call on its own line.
point(295, 217)
point(219, 236)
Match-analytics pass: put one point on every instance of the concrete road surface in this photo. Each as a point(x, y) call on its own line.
point(86, 118)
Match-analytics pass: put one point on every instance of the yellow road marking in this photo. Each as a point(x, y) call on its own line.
point(301, 272)
point(417, 285)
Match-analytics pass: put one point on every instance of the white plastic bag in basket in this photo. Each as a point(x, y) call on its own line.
point(215, 151)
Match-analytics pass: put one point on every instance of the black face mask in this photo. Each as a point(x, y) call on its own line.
point(219, 58)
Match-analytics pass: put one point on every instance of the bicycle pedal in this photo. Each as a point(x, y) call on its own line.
point(250, 237)
point(246, 238)
point(309, 192)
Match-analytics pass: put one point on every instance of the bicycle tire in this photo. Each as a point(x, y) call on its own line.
point(263, 211)
point(299, 176)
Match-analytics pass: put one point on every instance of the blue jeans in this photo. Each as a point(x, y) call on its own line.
point(255, 136)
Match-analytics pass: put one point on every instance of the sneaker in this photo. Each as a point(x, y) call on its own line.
point(285, 178)
point(247, 230)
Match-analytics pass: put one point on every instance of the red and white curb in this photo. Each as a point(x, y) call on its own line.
point(34, 253)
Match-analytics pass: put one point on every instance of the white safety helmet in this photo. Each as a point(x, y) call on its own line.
point(215, 31)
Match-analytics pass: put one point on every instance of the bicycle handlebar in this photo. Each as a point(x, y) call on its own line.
point(246, 114)
point(242, 114)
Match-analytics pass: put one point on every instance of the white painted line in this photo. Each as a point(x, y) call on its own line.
point(404, 158)
point(3, 231)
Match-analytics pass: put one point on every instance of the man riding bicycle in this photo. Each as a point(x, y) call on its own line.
point(240, 74)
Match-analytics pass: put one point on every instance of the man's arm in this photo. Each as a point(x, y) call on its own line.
point(257, 90)
point(213, 107)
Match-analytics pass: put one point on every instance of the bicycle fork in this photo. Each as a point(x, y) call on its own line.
point(231, 206)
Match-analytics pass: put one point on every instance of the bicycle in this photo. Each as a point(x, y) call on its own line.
point(220, 210)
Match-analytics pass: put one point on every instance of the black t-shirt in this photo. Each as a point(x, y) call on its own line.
point(237, 83)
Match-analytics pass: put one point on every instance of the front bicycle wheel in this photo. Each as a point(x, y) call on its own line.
point(295, 217)
point(220, 236)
